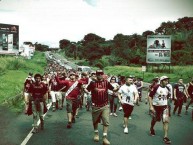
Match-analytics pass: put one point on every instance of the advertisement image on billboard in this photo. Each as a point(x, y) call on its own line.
point(158, 49)
point(9, 39)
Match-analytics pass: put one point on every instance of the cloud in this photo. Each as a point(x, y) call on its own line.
point(91, 2)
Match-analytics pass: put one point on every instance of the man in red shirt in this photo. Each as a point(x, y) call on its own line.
point(37, 90)
point(100, 110)
point(73, 88)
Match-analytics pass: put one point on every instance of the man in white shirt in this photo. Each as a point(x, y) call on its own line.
point(158, 101)
point(127, 95)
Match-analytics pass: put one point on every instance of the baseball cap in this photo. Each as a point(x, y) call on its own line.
point(99, 72)
point(164, 78)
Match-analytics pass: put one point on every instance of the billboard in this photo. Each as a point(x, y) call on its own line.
point(9, 39)
point(158, 49)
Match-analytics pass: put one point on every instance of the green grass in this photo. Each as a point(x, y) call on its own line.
point(177, 72)
point(13, 72)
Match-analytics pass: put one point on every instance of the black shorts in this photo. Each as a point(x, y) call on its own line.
point(159, 112)
point(127, 109)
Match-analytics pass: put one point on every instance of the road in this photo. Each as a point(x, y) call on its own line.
point(16, 129)
point(56, 133)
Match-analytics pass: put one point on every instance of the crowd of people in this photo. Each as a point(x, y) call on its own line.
point(104, 94)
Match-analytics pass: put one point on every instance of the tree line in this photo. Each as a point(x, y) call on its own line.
point(131, 49)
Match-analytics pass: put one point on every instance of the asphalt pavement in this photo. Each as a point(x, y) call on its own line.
point(81, 133)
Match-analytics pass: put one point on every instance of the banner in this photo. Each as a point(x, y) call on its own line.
point(158, 49)
point(9, 39)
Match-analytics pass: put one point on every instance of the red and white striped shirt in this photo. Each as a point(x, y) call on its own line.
point(99, 91)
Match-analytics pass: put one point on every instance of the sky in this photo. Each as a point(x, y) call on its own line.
point(49, 21)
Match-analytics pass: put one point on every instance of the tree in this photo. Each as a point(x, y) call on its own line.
point(92, 38)
point(64, 43)
point(41, 47)
point(146, 33)
point(94, 50)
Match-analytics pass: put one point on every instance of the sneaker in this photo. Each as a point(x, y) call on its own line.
point(35, 130)
point(152, 132)
point(166, 140)
point(69, 125)
point(53, 109)
point(126, 130)
point(130, 118)
point(111, 114)
point(96, 136)
point(105, 141)
point(114, 114)
point(120, 108)
point(73, 120)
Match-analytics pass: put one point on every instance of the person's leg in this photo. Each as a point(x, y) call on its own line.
point(105, 119)
point(53, 97)
point(69, 112)
point(140, 96)
point(156, 117)
point(190, 102)
point(35, 117)
point(115, 105)
point(59, 95)
point(180, 107)
point(95, 119)
point(26, 99)
point(111, 104)
point(41, 115)
point(166, 128)
point(176, 106)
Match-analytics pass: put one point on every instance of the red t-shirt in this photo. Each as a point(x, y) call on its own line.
point(27, 84)
point(54, 85)
point(38, 90)
point(99, 91)
point(76, 91)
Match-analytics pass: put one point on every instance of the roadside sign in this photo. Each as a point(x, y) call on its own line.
point(143, 68)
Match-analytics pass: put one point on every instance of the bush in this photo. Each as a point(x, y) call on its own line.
point(16, 64)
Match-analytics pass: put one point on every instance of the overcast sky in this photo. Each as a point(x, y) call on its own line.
point(48, 21)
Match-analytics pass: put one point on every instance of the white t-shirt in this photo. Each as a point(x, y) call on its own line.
point(160, 97)
point(128, 94)
point(115, 85)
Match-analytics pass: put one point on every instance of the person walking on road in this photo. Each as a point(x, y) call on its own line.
point(113, 97)
point(37, 90)
point(100, 110)
point(158, 101)
point(28, 81)
point(55, 94)
point(128, 95)
point(73, 88)
point(139, 85)
point(179, 94)
point(190, 93)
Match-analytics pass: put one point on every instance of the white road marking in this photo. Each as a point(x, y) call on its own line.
point(30, 133)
